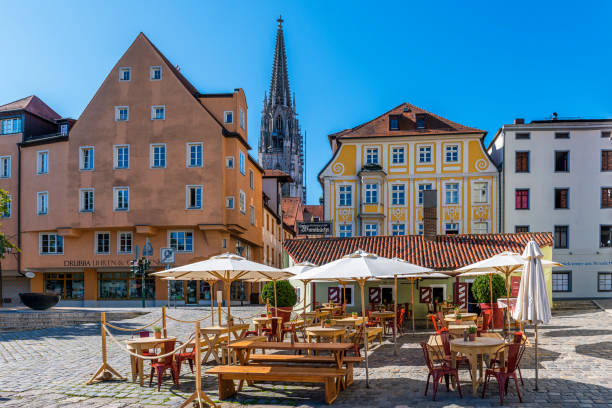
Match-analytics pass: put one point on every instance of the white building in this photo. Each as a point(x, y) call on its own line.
point(556, 175)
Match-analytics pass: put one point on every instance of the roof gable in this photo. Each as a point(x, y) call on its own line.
point(32, 104)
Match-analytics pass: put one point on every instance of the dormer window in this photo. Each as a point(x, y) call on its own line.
point(125, 74)
point(421, 121)
point(393, 123)
point(64, 129)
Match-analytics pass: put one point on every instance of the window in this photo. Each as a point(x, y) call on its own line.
point(7, 207)
point(124, 242)
point(42, 203)
point(606, 197)
point(86, 199)
point(67, 285)
point(158, 112)
point(605, 133)
point(345, 230)
point(604, 282)
point(64, 129)
point(521, 199)
point(422, 187)
point(393, 123)
point(102, 243)
point(419, 228)
point(5, 166)
point(241, 118)
point(371, 230)
point(50, 244)
point(451, 153)
point(155, 73)
point(228, 117)
point(121, 198)
point(229, 162)
point(397, 155)
point(242, 202)
point(561, 281)
point(124, 285)
point(398, 194)
point(194, 197)
point(122, 157)
point(371, 193)
point(521, 228)
point(252, 214)
point(425, 154)
point(181, 241)
point(194, 154)
point(421, 121)
point(480, 228)
point(122, 113)
point(520, 136)
point(480, 192)
point(561, 236)
point(562, 135)
point(125, 74)
point(561, 198)
point(12, 125)
point(158, 156)
point(346, 195)
point(521, 164)
point(606, 160)
point(605, 236)
point(562, 161)
point(452, 193)
point(42, 162)
point(251, 180)
point(372, 156)
point(398, 229)
point(451, 228)
point(86, 158)
point(229, 202)
point(242, 163)
point(224, 243)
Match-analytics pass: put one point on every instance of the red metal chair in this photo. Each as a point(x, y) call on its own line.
point(160, 366)
point(439, 371)
point(400, 319)
point(461, 360)
point(441, 329)
point(518, 339)
point(180, 358)
point(358, 340)
point(372, 321)
point(503, 375)
point(272, 331)
point(290, 330)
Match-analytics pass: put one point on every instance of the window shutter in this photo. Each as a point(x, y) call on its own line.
point(563, 199)
point(515, 283)
point(425, 295)
point(333, 294)
point(374, 295)
point(461, 294)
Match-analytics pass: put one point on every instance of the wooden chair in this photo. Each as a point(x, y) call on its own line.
point(439, 371)
point(514, 351)
point(160, 366)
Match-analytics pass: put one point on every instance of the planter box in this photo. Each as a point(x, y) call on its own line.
point(498, 314)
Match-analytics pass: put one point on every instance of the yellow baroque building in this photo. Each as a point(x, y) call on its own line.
point(374, 181)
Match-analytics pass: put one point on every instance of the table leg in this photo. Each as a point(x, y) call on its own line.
point(473, 358)
point(133, 366)
point(212, 349)
point(141, 372)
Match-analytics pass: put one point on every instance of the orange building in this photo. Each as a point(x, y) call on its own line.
point(150, 158)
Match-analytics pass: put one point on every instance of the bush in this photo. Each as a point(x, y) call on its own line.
point(480, 288)
point(285, 294)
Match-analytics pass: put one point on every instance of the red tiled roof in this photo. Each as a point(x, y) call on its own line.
point(274, 173)
point(292, 210)
point(34, 105)
point(313, 211)
point(407, 115)
point(447, 252)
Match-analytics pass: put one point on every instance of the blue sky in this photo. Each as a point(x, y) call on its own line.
point(478, 63)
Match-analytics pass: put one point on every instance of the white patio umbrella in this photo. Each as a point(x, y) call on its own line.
point(532, 303)
point(415, 277)
point(296, 270)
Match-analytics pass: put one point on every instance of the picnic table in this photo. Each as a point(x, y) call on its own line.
point(138, 345)
point(212, 338)
point(472, 349)
point(317, 332)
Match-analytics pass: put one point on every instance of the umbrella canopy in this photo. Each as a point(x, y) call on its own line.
point(299, 268)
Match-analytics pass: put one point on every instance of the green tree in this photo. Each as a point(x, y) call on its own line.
point(481, 288)
point(285, 293)
point(5, 244)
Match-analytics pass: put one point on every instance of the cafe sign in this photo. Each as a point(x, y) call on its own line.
point(92, 263)
point(314, 228)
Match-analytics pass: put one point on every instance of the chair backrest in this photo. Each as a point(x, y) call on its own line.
point(426, 350)
point(144, 333)
point(165, 347)
point(274, 325)
point(479, 323)
point(487, 315)
point(445, 337)
point(514, 352)
point(357, 338)
point(518, 337)
point(400, 319)
point(441, 320)
point(435, 325)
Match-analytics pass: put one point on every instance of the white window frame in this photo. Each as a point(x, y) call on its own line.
point(225, 116)
point(152, 147)
point(188, 189)
point(242, 118)
point(116, 156)
point(39, 167)
point(121, 70)
point(152, 70)
point(184, 231)
point(242, 202)
point(230, 202)
point(350, 288)
point(457, 223)
point(13, 129)
point(242, 163)
point(57, 237)
point(188, 155)
point(229, 162)
point(398, 224)
point(116, 198)
point(439, 285)
point(82, 161)
point(64, 129)
point(431, 154)
point(479, 223)
point(394, 153)
point(447, 190)
point(343, 233)
point(371, 191)
point(8, 170)
point(118, 113)
point(154, 112)
point(345, 194)
point(419, 197)
point(40, 194)
point(9, 207)
point(251, 179)
point(98, 233)
point(252, 214)
point(369, 224)
point(446, 148)
point(119, 234)
point(419, 228)
point(82, 191)
point(373, 152)
point(475, 192)
point(403, 196)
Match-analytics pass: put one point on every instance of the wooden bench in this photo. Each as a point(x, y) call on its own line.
point(375, 332)
point(328, 376)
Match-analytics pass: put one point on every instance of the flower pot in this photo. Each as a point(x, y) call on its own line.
point(39, 301)
point(471, 336)
point(498, 314)
point(326, 325)
point(458, 321)
point(282, 312)
point(158, 335)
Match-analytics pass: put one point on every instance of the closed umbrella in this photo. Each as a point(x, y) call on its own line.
point(532, 303)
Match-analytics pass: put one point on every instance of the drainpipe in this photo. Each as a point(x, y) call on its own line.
point(19, 207)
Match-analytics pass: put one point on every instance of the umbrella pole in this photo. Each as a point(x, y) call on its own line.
point(275, 302)
point(536, 356)
point(212, 302)
point(344, 297)
point(305, 282)
point(394, 316)
point(507, 305)
point(229, 311)
point(365, 331)
point(412, 299)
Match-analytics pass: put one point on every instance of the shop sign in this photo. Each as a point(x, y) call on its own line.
point(80, 263)
point(314, 228)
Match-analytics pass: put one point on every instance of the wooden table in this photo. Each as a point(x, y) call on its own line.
point(457, 329)
point(472, 349)
point(464, 316)
point(349, 321)
point(331, 309)
point(261, 322)
point(138, 345)
point(317, 332)
point(215, 332)
point(384, 316)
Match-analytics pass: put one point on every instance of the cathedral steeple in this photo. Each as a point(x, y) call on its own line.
point(279, 84)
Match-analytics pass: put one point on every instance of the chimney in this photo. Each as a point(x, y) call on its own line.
point(519, 121)
point(430, 211)
point(555, 115)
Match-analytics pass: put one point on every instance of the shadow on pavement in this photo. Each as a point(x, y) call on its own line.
point(599, 350)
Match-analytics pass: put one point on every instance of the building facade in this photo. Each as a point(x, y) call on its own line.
point(281, 145)
point(556, 175)
point(150, 158)
point(374, 181)
point(274, 230)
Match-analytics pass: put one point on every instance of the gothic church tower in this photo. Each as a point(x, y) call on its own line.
point(281, 145)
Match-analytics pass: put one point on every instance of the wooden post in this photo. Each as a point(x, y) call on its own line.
point(275, 301)
point(267, 306)
point(105, 367)
point(365, 331)
point(344, 296)
point(412, 300)
point(164, 330)
point(199, 394)
point(507, 304)
point(394, 316)
point(212, 302)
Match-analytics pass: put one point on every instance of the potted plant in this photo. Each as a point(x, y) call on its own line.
point(472, 333)
point(354, 315)
point(457, 318)
point(456, 310)
point(482, 294)
point(157, 332)
point(327, 323)
point(285, 296)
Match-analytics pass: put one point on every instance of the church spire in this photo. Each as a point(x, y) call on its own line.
point(280, 94)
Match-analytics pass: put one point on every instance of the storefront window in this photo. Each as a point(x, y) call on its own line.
point(204, 291)
point(176, 290)
point(67, 285)
point(238, 291)
point(124, 285)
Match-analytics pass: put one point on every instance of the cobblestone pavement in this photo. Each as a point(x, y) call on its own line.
point(48, 368)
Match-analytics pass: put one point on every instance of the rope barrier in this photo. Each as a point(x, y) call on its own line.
point(132, 330)
point(188, 321)
point(127, 350)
